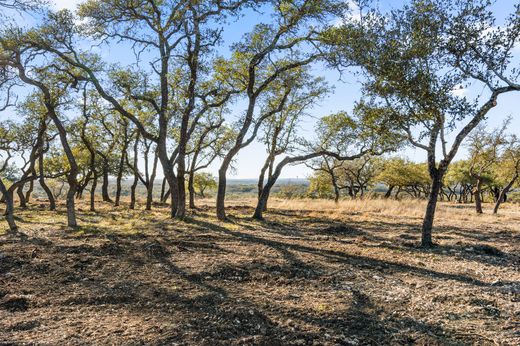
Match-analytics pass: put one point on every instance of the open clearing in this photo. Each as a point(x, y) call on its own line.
point(312, 274)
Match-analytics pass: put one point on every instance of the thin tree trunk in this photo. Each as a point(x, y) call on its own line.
point(136, 177)
point(478, 197)
point(221, 192)
point(163, 191)
point(9, 209)
point(429, 216)
point(43, 184)
point(388, 193)
point(104, 187)
point(29, 191)
point(151, 181)
point(191, 189)
point(502, 197)
point(119, 178)
point(93, 194)
point(21, 196)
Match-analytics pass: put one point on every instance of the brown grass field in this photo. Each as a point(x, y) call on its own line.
point(314, 273)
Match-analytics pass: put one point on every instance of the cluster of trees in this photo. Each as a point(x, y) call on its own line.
point(183, 104)
point(490, 173)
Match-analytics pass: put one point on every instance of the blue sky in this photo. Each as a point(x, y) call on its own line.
point(346, 93)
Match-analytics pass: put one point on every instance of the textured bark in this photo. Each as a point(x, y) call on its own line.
point(478, 196)
point(104, 188)
point(43, 184)
point(191, 190)
point(431, 207)
point(503, 194)
point(9, 210)
point(93, 194)
point(150, 184)
point(21, 196)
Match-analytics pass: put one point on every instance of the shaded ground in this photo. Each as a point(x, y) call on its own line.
point(138, 278)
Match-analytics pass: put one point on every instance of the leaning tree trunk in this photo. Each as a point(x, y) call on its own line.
point(21, 196)
point(389, 191)
point(502, 197)
point(164, 198)
point(429, 216)
point(222, 181)
point(9, 209)
point(29, 191)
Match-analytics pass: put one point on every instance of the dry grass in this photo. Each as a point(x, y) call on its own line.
point(314, 273)
point(447, 213)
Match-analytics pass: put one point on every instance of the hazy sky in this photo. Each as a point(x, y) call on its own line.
point(346, 93)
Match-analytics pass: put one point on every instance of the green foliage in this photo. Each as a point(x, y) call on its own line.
point(320, 185)
point(400, 172)
point(203, 182)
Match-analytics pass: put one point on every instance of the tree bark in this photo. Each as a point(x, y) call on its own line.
point(43, 184)
point(429, 216)
point(221, 191)
point(388, 193)
point(9, 209)
point(478, 196)
point(502, 197)
point(104, 187)
point(150, 185)
point(93, 194)
point(29, 191)
point(191, 189)
point(119, 178)
point(21, 196)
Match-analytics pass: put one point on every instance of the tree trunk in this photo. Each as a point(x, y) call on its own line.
point(336, 189)
point(169, 175)
point(21, 196)
point(93, 194)
point(502, 197)
point(429, 216)
point(120, 178)
point(9, 209)
point(29, 191)
point(71, 207)
point(163, 191)
point(132, 192)
point(266, 190)
point(478, 197)
point(191, 189)
point(388, 193)
point(221, 192)
point(181, 189)
point(149, 196)
point(151, 182)
point(43, 184)
point(104, 187)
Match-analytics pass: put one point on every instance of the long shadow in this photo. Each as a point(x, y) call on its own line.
point(212, 315)
point(341, 257)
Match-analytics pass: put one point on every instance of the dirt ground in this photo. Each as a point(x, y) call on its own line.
point(309, 275)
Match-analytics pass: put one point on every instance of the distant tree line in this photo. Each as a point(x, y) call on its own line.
point(490, 173)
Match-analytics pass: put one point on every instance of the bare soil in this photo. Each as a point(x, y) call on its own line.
point(300, 278)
